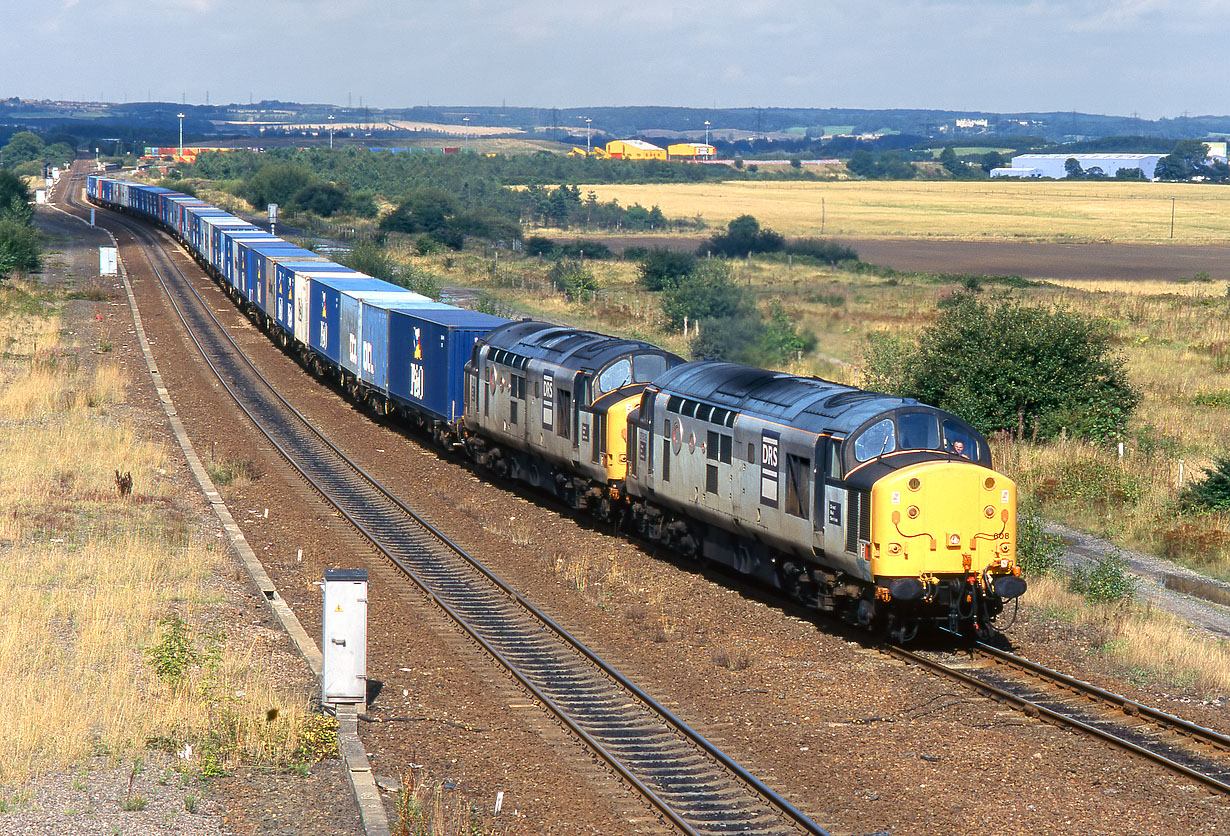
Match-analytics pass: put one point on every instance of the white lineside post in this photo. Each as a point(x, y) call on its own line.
point(108, 261)
point(343, 644)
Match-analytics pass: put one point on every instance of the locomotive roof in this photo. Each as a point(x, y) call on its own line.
point(567, 347)
point(805, 402)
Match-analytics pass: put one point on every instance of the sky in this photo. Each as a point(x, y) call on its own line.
point(1151, 58)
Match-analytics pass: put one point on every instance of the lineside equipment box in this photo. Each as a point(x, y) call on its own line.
point(344, 636)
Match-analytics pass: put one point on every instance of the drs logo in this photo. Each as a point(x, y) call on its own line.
point(768, 468)
point(416, 381)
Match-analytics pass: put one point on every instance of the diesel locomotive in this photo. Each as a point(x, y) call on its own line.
point(881, 509)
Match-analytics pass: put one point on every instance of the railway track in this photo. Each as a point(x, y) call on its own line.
point(694, 786)
point(1197, 753)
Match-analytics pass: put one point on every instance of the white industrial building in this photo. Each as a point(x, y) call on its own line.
point(1052, 165)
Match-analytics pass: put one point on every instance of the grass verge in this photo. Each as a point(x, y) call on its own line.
point(94, 581)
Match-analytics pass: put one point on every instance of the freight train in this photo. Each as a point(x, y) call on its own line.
point(881, 509)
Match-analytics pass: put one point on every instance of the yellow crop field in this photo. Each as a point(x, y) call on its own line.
point(1001, 209)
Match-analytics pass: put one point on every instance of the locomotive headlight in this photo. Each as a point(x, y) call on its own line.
point(1005, 547)
point(912, 512)
point(989, 483)
point(915, 484)
point(954, 541)
point(989, 512)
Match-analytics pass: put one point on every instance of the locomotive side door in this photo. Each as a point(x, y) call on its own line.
point(830, 513)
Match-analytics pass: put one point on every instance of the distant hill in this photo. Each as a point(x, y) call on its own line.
point(157, 123)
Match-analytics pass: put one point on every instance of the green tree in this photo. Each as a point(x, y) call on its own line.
point(952, 163)
point(993, 159)
point(1212, 492)
point(993, 363)
point(863, 164)
point(427, 210)
point(743, 235)
point(322, 198)
point(21, 247)
point(708, 292)
point(1183, 163)
point(1072, 169)
point(23, 147)
point(14, 197)
point(661, 268)
point(277, 183)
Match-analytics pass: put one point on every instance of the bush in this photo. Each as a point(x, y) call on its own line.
point(825, 252)
point(730, 340)
point(993, 363)
point(743, 236)
point(1103, 580)
point(661, 268)
point(372, 259)
point(1210, 493)
point(420, 281)
point(747, 337)
point(537, 245)
point(1037, 553)
point(584, 249)
point(572, 278)
point(276, 183)
point(708, 292)
point(21, 249)
point(181, 186)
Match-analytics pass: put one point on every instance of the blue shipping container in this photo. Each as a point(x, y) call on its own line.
point(324, 309)
point(350, 316)
point(428, 351)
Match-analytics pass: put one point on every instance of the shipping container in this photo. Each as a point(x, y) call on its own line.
point(284, 287)
point(302, 295)
point(428, 351)
point(232, 262)
point(324, 308)
point(251, 257)
point(373, 343)
point(350, 317)
point(267, 261)
point(214, 252)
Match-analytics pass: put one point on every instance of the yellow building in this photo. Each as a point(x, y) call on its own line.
point(634, 149)
point(691, 151)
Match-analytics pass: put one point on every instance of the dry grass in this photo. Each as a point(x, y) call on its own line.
point(1001, 209)
point(91, 576)
point(1145, 645)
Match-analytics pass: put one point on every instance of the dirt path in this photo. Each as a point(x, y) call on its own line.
point(1152, 573)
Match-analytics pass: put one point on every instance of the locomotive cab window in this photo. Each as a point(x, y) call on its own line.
point(615, 376)
point(958, 440)
point(876, 440)
point(918, 431)
point(834, 468)
point(646, 367)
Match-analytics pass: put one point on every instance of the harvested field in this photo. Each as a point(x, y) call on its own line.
point(996, 210)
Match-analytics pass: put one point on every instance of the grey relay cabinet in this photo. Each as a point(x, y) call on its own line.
point(344, 636)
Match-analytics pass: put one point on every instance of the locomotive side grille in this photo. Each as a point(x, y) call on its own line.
point(858, 519)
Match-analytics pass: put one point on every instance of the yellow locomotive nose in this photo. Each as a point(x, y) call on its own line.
point(942, 519)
